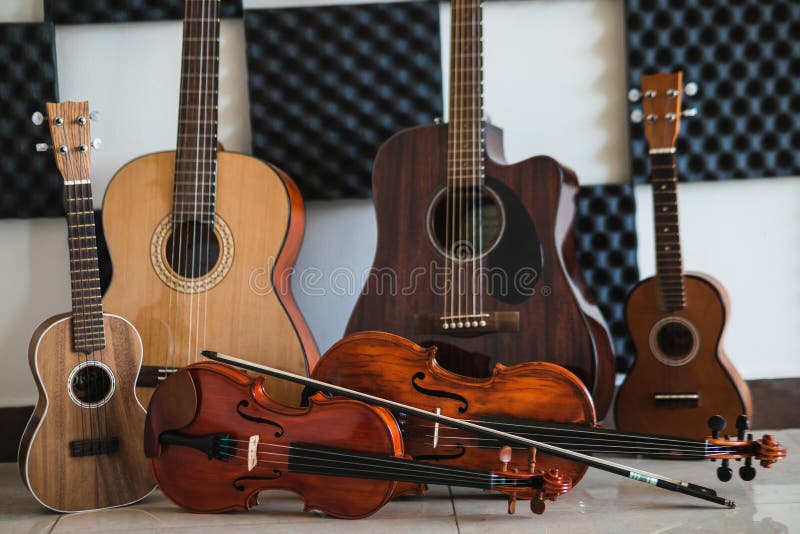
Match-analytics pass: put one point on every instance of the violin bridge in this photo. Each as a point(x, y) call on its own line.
point(252, 453)
point(436, 429)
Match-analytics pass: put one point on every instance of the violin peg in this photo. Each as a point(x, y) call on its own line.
point(505, 456)
point(742, 425)
point(724, 472)
point(717, 424)
point(512, 503)
point(532, 460)
point(538, 506)
point(747, 472)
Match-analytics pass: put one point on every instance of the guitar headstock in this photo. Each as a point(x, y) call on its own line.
point(766, 450)
point(662, 96)
point(71, 137)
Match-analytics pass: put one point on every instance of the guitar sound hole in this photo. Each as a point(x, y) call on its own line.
point(192, 249)
point(91, 385)
point(471, 210)
point(675, 340)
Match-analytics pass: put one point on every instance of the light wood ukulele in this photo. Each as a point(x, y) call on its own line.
point(202, 242)
point(676, 320)
point(82, 448)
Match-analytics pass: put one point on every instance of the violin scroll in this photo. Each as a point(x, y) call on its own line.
point(766, 450)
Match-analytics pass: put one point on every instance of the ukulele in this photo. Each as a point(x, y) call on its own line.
point(202, 242)
point(676, 320)
point(476, 256)
point(82, 448)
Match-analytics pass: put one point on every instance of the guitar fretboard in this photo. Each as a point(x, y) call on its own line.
point(87, 311)
point(669, 263)
point(194, 195)
point(465, 132)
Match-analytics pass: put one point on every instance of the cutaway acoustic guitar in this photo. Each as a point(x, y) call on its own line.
point(681, 374)
point(83, 448)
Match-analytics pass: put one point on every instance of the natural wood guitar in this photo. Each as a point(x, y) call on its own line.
point(474, 255)
point(202, 242)
point(82, 448)
point(681, 375)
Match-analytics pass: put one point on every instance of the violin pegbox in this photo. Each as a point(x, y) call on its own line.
point(550, 484)
point(766, 450)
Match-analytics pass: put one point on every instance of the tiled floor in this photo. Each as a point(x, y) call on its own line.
point(600, 503)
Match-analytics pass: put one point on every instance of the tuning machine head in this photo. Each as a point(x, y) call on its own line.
point(38, 118)
point(691, 89)
point(42, 147)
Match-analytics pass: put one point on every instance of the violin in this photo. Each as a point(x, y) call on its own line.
point(216, 439)
point(537, 400)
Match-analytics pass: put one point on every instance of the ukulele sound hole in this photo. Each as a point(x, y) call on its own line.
point(674, 341)
point(462, 219)
point(192, 249)
point(91, 384)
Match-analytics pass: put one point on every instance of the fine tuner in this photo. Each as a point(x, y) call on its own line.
point(635, 95)
point(38, 118)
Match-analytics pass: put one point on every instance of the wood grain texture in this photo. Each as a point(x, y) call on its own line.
point(58, 480)
point(243, 314)
point(710, 373)
point(193, 482)
point(410, 170)
point(390, 366)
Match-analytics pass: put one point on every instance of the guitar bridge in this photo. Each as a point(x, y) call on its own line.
point(466, 325)
point(687, 399)
point(93, 447)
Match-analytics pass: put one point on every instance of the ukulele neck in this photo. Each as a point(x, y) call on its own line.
point(466, 133)
point(194, 195)
point(87, 311)
point(669, 262)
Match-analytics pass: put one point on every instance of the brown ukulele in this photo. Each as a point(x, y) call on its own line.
point(82, 448)
point(681, 374)
point(202, 241)
point(474, 255)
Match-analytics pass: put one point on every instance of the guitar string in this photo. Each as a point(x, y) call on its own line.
point(474, 96)
point(482, 160)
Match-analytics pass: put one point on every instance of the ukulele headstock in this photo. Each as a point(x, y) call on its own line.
point(766, 450)
point(662, 96)
point(71, 137)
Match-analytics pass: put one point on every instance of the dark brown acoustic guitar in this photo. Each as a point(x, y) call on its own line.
point(676, 320)
point(203, 241)
point(475, 256)
point(83, 449)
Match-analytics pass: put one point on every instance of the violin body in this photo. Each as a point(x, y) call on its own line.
point(389, 366)
point(532, 204)
point(707, 373)
point(215, 398)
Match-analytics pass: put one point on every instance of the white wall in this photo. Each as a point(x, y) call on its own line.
point(555, 81)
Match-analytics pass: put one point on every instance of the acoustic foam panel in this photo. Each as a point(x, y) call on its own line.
point(605, 239)
point(745, 56)
point(30, 185)
point(329, 85)
point(96, 11)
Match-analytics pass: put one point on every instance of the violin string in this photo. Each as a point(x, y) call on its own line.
point(392, 468)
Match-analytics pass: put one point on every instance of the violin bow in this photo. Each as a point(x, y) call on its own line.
point(693, 490)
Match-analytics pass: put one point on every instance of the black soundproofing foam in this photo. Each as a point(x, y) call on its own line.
point(605, 240)
point(745, 56)
point(96, 11)
point(30, 185)
point(328, 85)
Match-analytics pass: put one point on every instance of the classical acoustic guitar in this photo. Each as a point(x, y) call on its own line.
point(681, 374)
point(202, 242)
point(476, 256)
point(82, 448)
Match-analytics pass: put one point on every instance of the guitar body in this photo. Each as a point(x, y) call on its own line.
point(679, 353)
point(243, 304)
point(57, 478)
point(533, 206)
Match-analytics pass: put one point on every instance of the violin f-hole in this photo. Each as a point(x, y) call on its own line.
point(260, 420)
point(237, 484)
point(437, 393)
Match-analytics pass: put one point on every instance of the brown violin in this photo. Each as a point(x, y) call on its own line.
point(537, 400)
point(216, 439)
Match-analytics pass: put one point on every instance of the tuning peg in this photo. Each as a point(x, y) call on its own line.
point(505, 457)
point(742, 424)
point(690, 89)
point(634, 95)
point(717, 424)
point(97, 143)
point(637, 116)
point(724, 472)
point(94, 116)
point(42, 147)
point(37, 118)
point(689, 112)
point(747, 472)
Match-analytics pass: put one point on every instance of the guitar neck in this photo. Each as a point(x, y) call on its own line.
point(466, 130)
point(87, 311)
point(669, 262)
point(194, 196)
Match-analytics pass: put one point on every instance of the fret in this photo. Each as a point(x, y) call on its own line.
point(95, 328)
point(82, 259)
point(80, 213)
point(87, 320)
